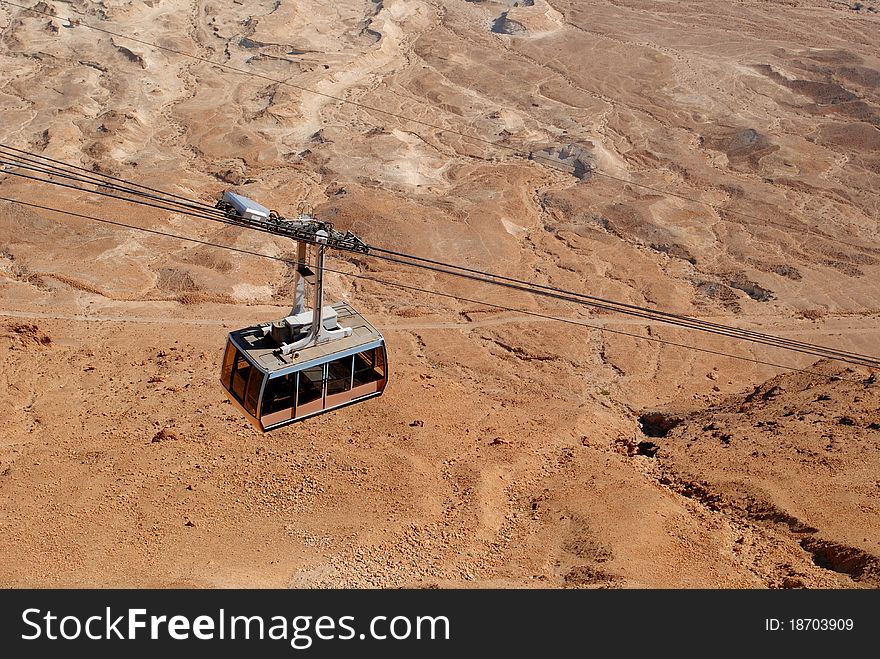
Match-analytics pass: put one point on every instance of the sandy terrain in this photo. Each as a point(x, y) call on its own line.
point(507, 450)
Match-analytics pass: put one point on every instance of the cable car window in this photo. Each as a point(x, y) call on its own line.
point(228, 361)
point(369, 366)
point(279, 394)
point(240, 374)
point(311, 385)
point(380, 362)
point(339, 376)
point(255, 383)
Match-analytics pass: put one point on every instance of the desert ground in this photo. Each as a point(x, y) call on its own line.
point(508, 450)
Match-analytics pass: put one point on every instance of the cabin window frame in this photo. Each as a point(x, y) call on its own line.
point(253, 391)
point(274, 383)
point(347, 381)
point(228, 365)
point(321, 388)
point(236, 371)
point(375, 367)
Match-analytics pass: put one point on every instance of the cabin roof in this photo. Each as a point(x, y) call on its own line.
point(264, 352)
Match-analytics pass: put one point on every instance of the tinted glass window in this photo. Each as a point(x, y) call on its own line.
point(339, 376)
point(228, 361)
point(240, 374)
point(279, 394)
point(311, 385)
point(252, 396)
point(380, 361)
point(369, 366)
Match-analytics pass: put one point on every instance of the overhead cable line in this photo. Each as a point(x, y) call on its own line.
point(23, 159)
point(474, 138)
point(101, 177)
point(603, 303)
point(550, 292)
point(652, 315)
point(561, 294)
point(459, 298)
point(104, 193)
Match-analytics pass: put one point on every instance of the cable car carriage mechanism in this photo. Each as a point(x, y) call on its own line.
point(314, 360)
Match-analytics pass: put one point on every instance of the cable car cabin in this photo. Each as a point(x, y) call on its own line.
point(274, 387)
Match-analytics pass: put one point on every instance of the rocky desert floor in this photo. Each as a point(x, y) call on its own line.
point(720, 160)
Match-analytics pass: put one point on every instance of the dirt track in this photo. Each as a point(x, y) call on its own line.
point(507, 450)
